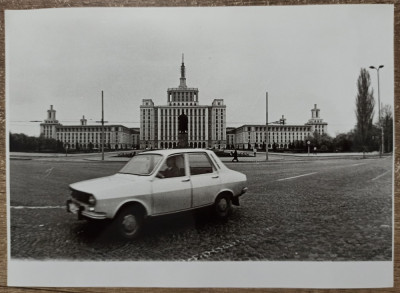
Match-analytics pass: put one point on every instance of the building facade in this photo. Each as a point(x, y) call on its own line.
point(206, 127)
point(135, 137)
point(85, 136)
point(159, 124)
point(280, 136)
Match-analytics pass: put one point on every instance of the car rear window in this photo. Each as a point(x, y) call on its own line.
point(200, 164)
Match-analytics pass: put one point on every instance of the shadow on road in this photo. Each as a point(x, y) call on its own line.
point(102, 232)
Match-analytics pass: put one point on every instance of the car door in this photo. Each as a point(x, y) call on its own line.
point(204, 176)
point(172, 191)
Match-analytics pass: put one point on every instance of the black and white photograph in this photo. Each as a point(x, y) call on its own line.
point(200, 146)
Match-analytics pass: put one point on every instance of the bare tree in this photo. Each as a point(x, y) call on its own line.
point(365, 104)
point(387, 124)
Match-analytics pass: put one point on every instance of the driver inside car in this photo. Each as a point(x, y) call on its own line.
point(172, 169)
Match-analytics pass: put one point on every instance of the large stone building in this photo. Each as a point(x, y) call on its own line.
point(280, 135)
point(159, 124)
point(85, 136)
point(206, 127)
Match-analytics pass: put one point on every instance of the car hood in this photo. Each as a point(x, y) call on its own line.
point(104, 185)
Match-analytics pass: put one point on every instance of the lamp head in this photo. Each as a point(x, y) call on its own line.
point(372, 67)
point(380, 66)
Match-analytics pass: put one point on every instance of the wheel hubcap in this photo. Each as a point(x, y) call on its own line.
point(223, 204)
point(129, 224)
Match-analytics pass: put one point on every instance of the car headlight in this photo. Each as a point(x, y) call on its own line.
point(92, 200)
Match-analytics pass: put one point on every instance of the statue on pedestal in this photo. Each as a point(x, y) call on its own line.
point(183, 131)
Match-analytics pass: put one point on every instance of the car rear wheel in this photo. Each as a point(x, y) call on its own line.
point(129, 222)
point(223, 206)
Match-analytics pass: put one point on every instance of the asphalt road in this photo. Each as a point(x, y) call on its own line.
point(331, 210)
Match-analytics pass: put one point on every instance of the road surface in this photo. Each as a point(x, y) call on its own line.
point(332, 209)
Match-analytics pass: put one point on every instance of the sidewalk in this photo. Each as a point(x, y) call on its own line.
point(260, 157)
point(108, 156)
point(272, 156)
point(370, 154)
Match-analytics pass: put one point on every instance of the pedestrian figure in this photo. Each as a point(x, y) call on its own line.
point(235, 156)
point(315, 150)
point(255, 151)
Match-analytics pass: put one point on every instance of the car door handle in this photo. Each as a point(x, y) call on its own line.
point(186, 180)
point(215, 176)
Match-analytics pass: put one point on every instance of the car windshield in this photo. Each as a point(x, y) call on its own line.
point(141, 164)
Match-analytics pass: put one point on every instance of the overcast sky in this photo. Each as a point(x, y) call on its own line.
point(301, 55)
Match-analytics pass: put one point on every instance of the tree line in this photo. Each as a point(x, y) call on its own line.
point(20, 142)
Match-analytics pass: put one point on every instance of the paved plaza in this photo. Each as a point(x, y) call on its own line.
point(297, 208)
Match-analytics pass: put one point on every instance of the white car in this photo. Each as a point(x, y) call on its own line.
point(156, 183)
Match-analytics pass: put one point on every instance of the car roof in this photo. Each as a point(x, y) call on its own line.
point(175, 151)
point(168, 152)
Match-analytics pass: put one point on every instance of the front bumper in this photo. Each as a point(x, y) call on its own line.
point(83, 211)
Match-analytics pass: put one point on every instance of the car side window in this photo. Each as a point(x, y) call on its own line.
point(174, 166)
point(200, 164)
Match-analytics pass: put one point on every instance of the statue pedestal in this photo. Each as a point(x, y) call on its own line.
point(183, 140)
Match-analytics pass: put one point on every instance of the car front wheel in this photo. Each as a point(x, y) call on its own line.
point(129, 222)
point(223, 206)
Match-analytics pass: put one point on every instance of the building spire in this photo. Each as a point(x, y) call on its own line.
point(51, 115)
point(183, 77)
point(315, 112)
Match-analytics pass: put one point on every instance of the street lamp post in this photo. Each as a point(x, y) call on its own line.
point(102, 126)
point(379, 110)
point(308, 144)
point(266, 129)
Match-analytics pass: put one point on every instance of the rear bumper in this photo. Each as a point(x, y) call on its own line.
point(235, 199)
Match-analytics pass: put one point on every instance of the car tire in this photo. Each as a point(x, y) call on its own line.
point(223, 206)
point(129, 222)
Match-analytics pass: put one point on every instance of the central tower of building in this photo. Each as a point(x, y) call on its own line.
point(182, 94)
point(206, 125)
